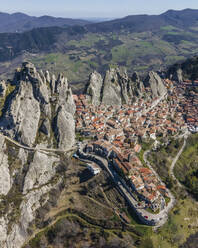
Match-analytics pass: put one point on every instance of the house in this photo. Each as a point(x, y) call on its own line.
point(94, 169)
point(137, 148)
point(162, 189)
point(118, 166)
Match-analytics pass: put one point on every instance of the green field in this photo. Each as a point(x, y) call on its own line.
point(137, 51)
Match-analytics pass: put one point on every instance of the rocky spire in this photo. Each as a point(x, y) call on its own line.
point(94, 87)
point(118, 88)
point(30, 106)
point(156, 85)
point(2, 88)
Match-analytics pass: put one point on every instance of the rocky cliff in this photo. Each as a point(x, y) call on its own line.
point(118, 88)
point(155, 84)
point(37, 110)
point(33, 105)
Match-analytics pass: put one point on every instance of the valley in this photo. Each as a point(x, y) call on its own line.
point(142, 43)
point(99, 131)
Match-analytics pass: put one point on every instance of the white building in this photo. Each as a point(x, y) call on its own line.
point(94, 169)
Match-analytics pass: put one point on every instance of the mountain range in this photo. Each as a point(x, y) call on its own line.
point(20, 22)
point(139, 43)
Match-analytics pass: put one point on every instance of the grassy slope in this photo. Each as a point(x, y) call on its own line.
point(186, 169)
point(102, 202)
point(183, 218)
point(78, 55)
point(137, 51)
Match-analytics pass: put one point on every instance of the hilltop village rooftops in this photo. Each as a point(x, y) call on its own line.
point(117, 129)
point(117, 124)
point(142, 179)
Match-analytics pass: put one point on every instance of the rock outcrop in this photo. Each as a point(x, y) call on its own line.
point(65, 97)
point(94, 87)
point(5, 177)
point(118, 88)
point(155, 84)
point(38, 112)
point(64, 129)
point(178, 76)
point(2, 88)
point(22, 115)
point(111, 94)
point(33, 105)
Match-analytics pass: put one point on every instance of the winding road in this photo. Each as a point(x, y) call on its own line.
point(36, 148)
point(156, 220)
point(175, 161)
point(185, 135)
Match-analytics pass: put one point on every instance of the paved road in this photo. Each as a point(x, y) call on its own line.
point(36, 148)
point(175, 161)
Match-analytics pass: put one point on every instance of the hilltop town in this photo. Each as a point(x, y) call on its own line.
point(116, 133)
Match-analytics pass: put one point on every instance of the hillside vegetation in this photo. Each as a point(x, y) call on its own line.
point(186, 169)
point(19, 22)
point(140, 43)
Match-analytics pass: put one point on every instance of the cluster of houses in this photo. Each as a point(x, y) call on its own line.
point(114, 133)
point(141, 179)
point(123, 125)
point(188, 101)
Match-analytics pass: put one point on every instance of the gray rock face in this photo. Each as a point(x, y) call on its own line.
point(22, 115)
point(65, 97)
point(118, 88)
point(64, 129)
point(5, 177)
point(31, 102)
point(19, 233)
point(178, 76)
point(94, 88)
point(41, 170)
point(38, 181)
point(2, 88)
point(156, 85)
point(28, 116)
point(136, 86)
point(45, 127)
point(111, 94)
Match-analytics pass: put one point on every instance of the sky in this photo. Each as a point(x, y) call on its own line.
point(94, 8)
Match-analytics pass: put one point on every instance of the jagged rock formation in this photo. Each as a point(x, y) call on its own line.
point(118, 88)
point(65, 97)
point(38, 111)
point(65, 128)
point(114, 88)
point(5, 178)
point(25, 196)
point(2, 88)
point(94, 87)
point(156, 85)
point(33, 105)
point(178, 75)
point(22, 115)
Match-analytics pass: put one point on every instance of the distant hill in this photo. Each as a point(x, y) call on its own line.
point(19, 22)
point(140, 43)
point(142, 23)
